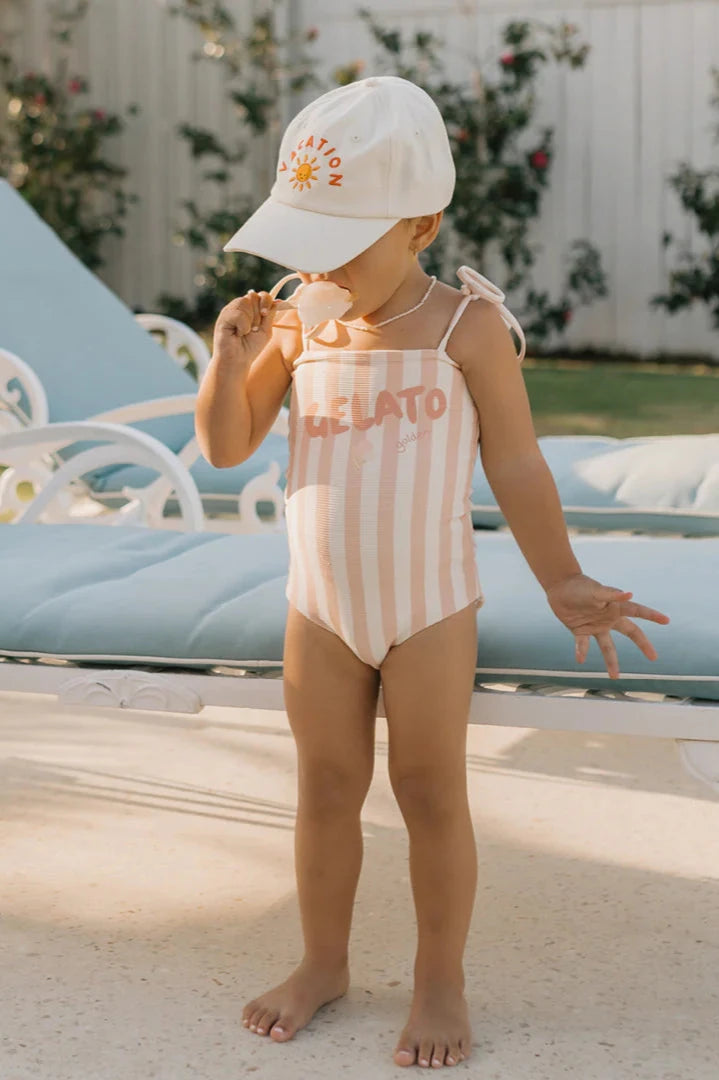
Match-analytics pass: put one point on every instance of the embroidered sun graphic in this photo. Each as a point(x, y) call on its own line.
point(305, 172)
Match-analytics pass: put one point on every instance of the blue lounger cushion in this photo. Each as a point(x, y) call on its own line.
point(81, 340)
point(131, 595)
point(663, 483)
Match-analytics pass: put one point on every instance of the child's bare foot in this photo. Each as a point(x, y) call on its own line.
point(438, 1031)
point(288, 1007)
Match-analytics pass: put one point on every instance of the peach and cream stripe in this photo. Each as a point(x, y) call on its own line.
point(443, 469)
point(472, 587)
point(296, 471)
point(421, 522)
point(459, 529)
point(317, 497)
point(388, 511)
point(357, 518)
point(448, 542)
point(305, 532)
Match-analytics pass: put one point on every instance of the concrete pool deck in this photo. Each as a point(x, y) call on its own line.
point(147, 892)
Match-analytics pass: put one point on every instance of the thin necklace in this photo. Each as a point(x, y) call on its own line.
point(402, 314)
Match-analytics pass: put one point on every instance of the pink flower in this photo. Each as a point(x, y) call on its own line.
point(567, 315)
point(539, 159)
point(99, 115)
point(462, 135)
point(312, 33)
point(40, 99)
point(508, 59)
point(76, 86)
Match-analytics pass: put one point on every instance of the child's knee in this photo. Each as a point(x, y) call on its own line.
point(327, 788)
point(428, 794)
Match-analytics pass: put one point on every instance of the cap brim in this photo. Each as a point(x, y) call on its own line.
point(305, 240)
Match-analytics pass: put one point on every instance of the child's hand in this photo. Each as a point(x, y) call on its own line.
point(243, 327)
point(589, 608)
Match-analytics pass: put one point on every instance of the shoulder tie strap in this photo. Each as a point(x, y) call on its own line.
point(475, 284)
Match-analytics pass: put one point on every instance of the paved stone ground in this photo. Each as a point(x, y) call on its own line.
point(147, 891)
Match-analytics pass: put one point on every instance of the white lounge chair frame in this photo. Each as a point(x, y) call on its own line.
point(262, 488)
point(30, 455)
point(11, 416)
point(176, 338)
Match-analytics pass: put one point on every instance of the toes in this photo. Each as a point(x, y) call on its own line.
point(282, 1029)
point(405, 1055)
point(249, 1009)
point(256, 1018)
point(454, 1054)
point(438, 1055)
point(253, 1016)
point(425, 1051)
point(266, 1018)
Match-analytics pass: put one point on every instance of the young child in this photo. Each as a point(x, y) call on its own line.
point(386, 408)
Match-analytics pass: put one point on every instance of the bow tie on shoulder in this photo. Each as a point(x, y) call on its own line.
point(475, 284)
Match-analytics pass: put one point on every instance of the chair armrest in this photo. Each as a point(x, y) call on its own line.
point(174, 405)
point(12, 416)
point(178, 337)
point(24, 450)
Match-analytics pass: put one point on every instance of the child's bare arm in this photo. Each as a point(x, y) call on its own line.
point(514, 465)
point(246, 382)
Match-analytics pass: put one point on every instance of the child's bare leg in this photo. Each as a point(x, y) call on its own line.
point(427, 684)
point(331, 702)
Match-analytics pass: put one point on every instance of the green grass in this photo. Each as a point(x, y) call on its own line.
point(621, 400)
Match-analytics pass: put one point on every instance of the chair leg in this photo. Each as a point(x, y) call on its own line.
point(262, 488)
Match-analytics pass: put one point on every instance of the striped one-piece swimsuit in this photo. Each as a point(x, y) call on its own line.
point(382, 445)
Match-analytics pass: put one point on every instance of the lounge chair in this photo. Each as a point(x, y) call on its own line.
point(142, 618)
point(145, 618)
point(94, 361)
point(652, 483)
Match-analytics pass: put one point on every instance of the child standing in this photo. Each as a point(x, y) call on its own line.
point(386, 410)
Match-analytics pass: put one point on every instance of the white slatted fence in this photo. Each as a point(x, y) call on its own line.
point(622, 123)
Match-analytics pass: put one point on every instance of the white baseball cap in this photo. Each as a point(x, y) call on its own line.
point(352, 164)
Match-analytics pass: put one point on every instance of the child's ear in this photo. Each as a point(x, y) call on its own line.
point(425, 230)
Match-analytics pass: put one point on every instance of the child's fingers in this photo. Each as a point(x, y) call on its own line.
point(262, 307)
point(267, 310)
point(240, 315)
point(581, 642)
point(237, 317)
point(253, 300)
